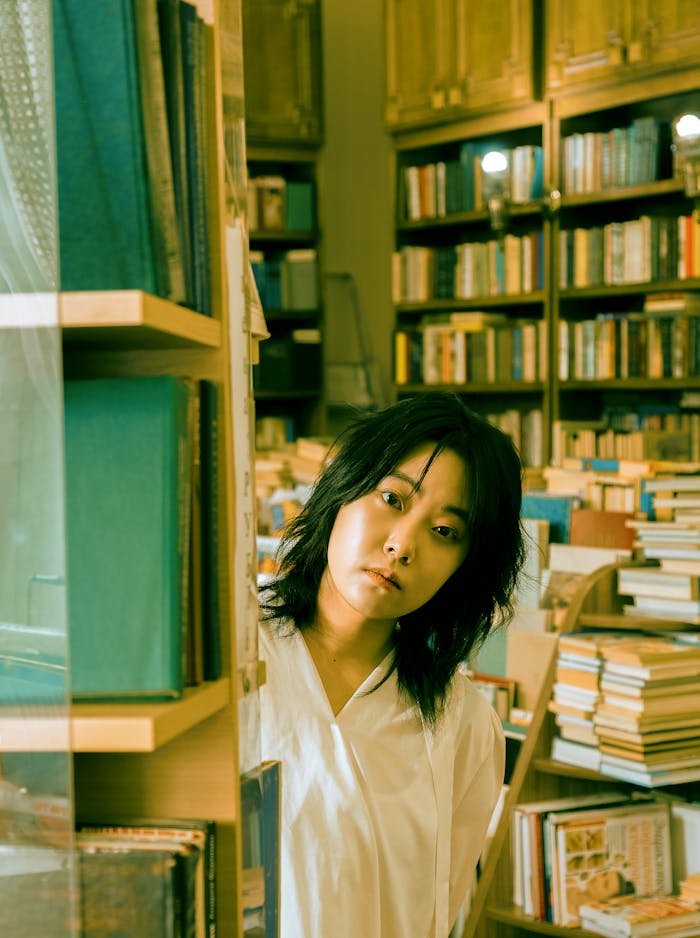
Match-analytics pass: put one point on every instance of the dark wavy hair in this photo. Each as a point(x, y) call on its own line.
point(432, 641)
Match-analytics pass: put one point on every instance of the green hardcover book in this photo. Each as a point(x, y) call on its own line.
point(299, 206)
point(127, 524)
point(105, 206)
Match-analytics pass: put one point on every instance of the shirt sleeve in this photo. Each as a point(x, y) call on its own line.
point(478, 778)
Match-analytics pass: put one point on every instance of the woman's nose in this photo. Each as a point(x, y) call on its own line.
point(400, 546)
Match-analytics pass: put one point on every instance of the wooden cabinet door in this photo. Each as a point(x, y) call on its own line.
point(665, 33)
point(419, 38)
point(282, 69)
point(585, 40)
point(494, 53)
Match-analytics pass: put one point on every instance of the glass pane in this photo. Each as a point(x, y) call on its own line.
point(36, 873)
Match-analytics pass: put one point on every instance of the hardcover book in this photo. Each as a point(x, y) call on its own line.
point(105, 209)
point(128, 472)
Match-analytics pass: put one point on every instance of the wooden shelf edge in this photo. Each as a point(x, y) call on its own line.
point(513, 916)
point(107, 727)
point(111, 727)
point(89, 314)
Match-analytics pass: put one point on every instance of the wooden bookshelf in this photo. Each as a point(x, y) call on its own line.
point(536, 776)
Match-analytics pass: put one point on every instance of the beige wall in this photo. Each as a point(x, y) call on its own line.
point(355, 196)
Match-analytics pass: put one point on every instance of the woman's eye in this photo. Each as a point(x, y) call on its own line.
point(391, 499)
point(445, 531)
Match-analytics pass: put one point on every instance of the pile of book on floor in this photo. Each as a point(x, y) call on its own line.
point(570, 854)
point(626, 705)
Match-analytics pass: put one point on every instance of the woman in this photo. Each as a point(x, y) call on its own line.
point(401, 562)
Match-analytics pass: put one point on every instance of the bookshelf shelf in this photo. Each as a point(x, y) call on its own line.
point(475, 302)
point(661, 187)
point(283, 237)
point(132, 318)
point(468, 218)
point(510, 387)
point(631, 384)
point(261, 395)
point(512, 916)
point(112, 727)
point(630, 289)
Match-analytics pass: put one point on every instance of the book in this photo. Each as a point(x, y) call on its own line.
point(108, 236)
point(650, 650)
point(129, 892)
point(530, 875)
point(554, 508)
point(604, 852)
point(661, 583)
point(685, 839)
point(260, 819)
point(197, 833)
point(651, 778)
point(211, 612)
point(128, 464)
point(592, 527)
point(559, 587)
point(635, 917)
point(196, 69)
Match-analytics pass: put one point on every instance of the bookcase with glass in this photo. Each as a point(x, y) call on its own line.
point(148, 115)
point(470, 269)
point(625, 283)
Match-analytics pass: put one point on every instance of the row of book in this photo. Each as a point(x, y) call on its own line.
point(135, 133)
point(648, 249)
point(470, 348)
point(593, 161)
point(445, 187)
point(626, 705)
point(287, 281)
point(629, 345)
point(143, 622)
point(582, 860)
point(642, 437)
point(511, 266)
point(275, 203)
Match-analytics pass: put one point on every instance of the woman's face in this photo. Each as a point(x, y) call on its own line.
point(392, 549)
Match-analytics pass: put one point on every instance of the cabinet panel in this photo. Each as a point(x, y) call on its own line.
point(494, 62)
point(665, 33)
point(282, 65)
point(418, 60)
point(585, 41)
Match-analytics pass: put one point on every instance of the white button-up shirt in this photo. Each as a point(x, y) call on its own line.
point(383, 819)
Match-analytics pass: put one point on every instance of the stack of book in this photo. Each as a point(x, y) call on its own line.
point(647, 719)
point(627, 707)
point(575, 697)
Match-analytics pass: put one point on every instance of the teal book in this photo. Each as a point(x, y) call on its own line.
point(128, 469)
point(299, 206)
point(552, 507)
point(105, 207)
